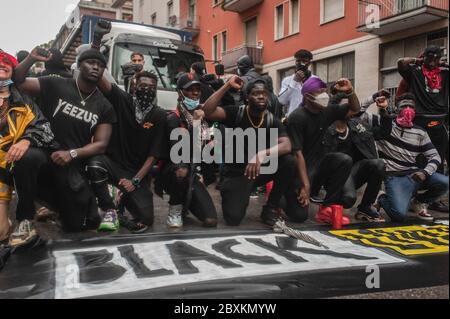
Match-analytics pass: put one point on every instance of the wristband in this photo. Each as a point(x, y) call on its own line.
point(136, 181)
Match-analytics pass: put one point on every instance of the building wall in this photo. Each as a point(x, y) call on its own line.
point(144, 9)
point(327, 40)
point(367, 56)
point(100, 8)
point(312, 35)
point(98, 13)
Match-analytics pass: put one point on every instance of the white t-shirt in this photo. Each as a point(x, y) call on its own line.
point(291, 93)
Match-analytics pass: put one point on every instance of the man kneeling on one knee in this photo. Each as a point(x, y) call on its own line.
point(411, 162)
point(241, 177)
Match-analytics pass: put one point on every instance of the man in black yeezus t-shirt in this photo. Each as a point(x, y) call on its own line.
point(81, 119)
point(240, 178)
point(138, 141)
point(73, 121)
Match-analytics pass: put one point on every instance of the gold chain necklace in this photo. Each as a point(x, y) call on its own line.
point(250, 119)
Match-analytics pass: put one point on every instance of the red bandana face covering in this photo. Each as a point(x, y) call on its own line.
point(433, 78)
point(406, 117)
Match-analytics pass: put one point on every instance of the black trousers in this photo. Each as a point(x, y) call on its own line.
point(236, 192)
point(332, 173)
point(103, 171)
point(438, 136)
point(201, 205)
point(64, 190)
point(370, 172)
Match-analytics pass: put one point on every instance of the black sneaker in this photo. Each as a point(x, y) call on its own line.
point(370, 214)
point(132, 226)
point(317, 200)
point(439, 206)
point(270, 215)
point(254, 195)
point(43, 215)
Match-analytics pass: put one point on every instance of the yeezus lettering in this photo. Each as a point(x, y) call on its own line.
point(76, 113)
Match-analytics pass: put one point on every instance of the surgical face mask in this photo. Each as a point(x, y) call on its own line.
point(322, 99)
point(6, 83)
point(190, 103)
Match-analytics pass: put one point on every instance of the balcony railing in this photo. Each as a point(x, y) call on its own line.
point(190, 24)
point(391, 8)
point(229, 58)
point(239, 5)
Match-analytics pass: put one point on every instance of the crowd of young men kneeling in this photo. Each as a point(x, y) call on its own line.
point(87, 134)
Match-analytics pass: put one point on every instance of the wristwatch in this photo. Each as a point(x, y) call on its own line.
point(73, 154)
point(136, 181)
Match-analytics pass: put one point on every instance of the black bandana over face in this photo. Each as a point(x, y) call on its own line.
point(145, 97)
point(144, 101)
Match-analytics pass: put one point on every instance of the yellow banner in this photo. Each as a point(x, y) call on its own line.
point(407, 240)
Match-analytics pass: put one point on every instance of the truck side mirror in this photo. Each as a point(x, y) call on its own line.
point(220, 69)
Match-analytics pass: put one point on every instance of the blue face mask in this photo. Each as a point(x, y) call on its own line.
point(190, 103)
point(6, 83)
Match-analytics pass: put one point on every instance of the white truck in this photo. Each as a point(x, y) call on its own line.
point(167, 52)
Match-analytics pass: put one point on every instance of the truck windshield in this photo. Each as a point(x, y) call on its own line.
point(165, 63)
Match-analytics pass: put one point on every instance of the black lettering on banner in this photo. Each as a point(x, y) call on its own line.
point(139, 268)
point(183, 254)
point(289, 243)
point(277, 250)
point(224, 248)
point(96, 267)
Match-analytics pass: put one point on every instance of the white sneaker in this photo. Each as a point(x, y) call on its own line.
point(421, 210)
point(175, 217)
point(23, 234)
point(110, 221)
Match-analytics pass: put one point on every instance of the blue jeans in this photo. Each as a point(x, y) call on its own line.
point(401, 189)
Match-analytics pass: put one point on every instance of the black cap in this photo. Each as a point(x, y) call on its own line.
point(434, 51)
point(91, 54)
point(251, 85)
point(186, 80)
point(245, 62)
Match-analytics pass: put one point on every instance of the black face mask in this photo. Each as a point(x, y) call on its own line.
point(145, 97)
point(302, 67)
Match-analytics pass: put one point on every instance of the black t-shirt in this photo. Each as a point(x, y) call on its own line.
point(132, 143)
point(345, 144)
point(174, 121)
point(307, 129)
point(232, 111)
point(72, 123)
point(427, 102)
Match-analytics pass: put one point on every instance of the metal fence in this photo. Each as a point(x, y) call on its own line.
point(230, 57)
point(390, 8)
